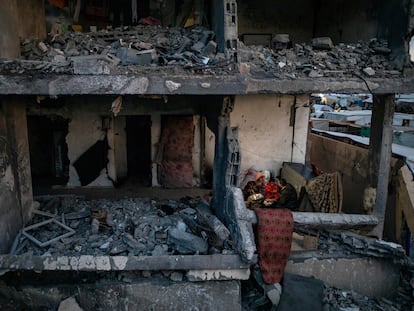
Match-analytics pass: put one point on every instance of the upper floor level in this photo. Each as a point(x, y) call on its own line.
point(55, 47)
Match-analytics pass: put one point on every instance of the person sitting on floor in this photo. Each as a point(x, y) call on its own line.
point(254, 191)
point(260, 183)
point(271, 193)
point(249, 189)
point(288, 196)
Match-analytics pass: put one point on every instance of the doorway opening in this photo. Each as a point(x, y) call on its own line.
point(48, 150)
point(138, 131)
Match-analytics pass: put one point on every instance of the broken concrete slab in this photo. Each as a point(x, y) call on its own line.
point(186, 243)
point(240, 225)
point(301, 293)
point(217, 275)
point(324, 43)
point(69, 304)
point(122, 263)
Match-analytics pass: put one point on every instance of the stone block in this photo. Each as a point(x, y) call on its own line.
point(186, 243)
point(324, 43)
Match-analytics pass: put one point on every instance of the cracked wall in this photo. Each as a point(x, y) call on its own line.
point(270, 132)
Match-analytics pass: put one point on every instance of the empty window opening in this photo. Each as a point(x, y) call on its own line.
point(138, 130)
point(48, 150)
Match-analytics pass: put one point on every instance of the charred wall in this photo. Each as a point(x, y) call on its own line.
point(15, 184)
point(20, 20)
point(343, 21)
point(9, 43)
point(90, 121)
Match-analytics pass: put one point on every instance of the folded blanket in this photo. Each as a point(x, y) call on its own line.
point(274, 239)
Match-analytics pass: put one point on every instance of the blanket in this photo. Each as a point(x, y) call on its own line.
point(274, 239)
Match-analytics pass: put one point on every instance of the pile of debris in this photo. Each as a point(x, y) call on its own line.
point(339, 299)
point(300, 294)
point(73, 226)
point(321, 58)
point(143, 49)
point(332, 242)
point(119, 51)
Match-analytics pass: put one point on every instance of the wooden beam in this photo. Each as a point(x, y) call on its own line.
point(380, 154)
point(405, 200)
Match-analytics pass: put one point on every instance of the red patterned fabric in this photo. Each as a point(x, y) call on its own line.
point(274, 235)
point(272, 191)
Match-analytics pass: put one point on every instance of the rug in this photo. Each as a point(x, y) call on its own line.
point(274, 239)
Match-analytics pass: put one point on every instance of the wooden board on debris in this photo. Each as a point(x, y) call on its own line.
point(405, 199)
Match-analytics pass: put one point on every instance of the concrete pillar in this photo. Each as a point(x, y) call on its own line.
point(20, 20)
point(220, 158)
point(16, 197)
point(380, 151)
point(9, 37)
point(32, 20)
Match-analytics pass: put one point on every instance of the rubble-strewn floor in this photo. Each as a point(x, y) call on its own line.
point(361, 60)
point(296, 296)
point(168, 51)
point(301, 296)
point(130, 226)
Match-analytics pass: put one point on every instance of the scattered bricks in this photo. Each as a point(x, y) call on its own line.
point(198, 46)
point(369, 71)
point(314, 74)
point(95, 226)
point(280, 42)
point(210, 49)
point(118, 249)
point(135, 57)
point(42, 46)
point(160, 250)
point(324, 43)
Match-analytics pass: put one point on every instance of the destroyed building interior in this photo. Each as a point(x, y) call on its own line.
point(129, 128)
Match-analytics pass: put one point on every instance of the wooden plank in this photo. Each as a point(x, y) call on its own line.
point(381, 152)
point(122, 263)
point(405, 198)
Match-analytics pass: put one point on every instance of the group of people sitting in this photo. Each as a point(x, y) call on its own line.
point(270, 193)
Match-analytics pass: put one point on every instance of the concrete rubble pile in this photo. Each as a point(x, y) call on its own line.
point(145, 49)
point(350, 243)
point(333, 242)
point(127, 227)
point(339, 299)
point(119, 51)
point(321, 58)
